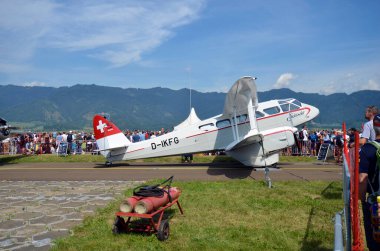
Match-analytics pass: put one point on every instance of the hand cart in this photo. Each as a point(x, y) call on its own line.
point(160, 228)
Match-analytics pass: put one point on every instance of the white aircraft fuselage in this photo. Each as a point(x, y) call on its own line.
point(253, 136)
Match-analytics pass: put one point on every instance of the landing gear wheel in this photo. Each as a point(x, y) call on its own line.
point(274, 166)
point(108, 164)
point(163, 230)
point(118, 226)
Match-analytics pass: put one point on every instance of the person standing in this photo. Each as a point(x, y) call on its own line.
point(70, 140)
point(305, 141)
point(313, 142)
point(369, 181)
point(368, 133)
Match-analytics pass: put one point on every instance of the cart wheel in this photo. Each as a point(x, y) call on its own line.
point(118, 226)
point(163, 230)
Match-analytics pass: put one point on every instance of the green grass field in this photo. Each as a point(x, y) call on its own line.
point(198, 158)
point(233, 215)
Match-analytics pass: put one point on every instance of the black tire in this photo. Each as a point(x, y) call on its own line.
point(163, 230)
point(119, 225)
point(108, 164)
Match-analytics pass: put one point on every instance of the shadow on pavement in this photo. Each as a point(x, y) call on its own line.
point(10, 158)
point(233, 169)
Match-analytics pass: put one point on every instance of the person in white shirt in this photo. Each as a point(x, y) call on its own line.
point(305, 141)
point(368, 133)
point(64, 137)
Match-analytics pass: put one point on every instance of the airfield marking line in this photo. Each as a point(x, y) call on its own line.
point(117, 168)
point(160, 168)
point(311, 168)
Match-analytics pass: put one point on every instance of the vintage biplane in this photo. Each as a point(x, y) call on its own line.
point(251, 132)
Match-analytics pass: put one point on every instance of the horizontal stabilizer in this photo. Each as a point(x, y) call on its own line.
point(107, 135)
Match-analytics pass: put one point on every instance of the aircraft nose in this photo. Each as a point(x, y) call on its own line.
point(314, 112)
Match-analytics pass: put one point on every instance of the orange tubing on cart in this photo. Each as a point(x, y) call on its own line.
point(148, 204)
point(128, 204)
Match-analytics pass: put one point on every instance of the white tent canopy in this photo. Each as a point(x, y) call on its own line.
point(191, 119)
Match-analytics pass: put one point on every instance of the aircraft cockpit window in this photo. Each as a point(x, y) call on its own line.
point(285, 107)
point(297, 103)
point(207, 127)
point(284, 101)
point(294, 107)
point(223, 123)
point(259, 114)
point(272, 110)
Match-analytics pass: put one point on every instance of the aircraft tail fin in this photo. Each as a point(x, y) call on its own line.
point(107, 135)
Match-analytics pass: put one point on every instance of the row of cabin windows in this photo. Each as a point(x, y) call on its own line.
point(285, 106)
point(224, 123)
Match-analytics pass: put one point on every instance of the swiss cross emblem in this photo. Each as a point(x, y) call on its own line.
point(101, 126)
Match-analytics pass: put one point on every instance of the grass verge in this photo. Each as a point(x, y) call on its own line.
point(232, 215)
point(198, 158)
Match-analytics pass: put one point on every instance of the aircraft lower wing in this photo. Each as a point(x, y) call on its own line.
point(253, 136)
point(272, 139)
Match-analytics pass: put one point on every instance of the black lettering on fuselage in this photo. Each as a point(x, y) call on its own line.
point(165, 143)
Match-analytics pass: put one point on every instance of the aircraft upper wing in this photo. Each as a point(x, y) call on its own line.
point(239, 95)
point(250, 138)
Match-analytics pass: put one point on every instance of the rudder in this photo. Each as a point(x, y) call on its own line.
point(107, 135)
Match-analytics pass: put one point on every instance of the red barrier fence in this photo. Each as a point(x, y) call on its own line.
point(351, 157)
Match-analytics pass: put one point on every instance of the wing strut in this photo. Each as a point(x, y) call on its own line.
point(252, 117)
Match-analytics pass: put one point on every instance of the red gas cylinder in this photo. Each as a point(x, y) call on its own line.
point(148, 204)
point(128, 204)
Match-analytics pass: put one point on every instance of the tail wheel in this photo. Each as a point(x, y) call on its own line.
point(163, 230)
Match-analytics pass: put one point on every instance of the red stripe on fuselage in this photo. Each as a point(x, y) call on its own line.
point(267, 117)
point(136, 150)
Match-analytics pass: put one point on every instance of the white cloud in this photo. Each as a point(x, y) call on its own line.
point(350, 84)
point(284, 80)
point(34, 83)
point(22, 24)
point(372, 85)
point(118, 32)
point(329, 89)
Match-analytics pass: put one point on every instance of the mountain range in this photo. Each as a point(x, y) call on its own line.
point(49, 108)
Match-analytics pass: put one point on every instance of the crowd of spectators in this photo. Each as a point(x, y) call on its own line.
point(72, 142)
point(47, 143)
point(309, 142)
point(141, 135)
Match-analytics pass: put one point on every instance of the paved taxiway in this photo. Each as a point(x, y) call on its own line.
point(144, 171)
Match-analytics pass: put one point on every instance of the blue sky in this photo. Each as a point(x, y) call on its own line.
point(307, 46)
